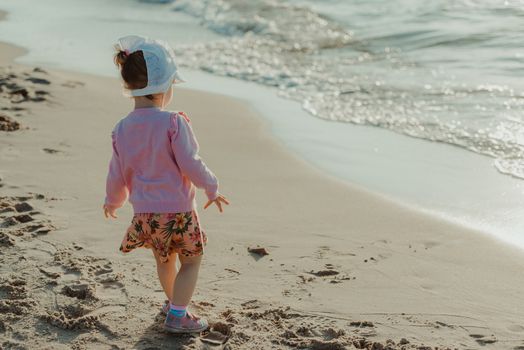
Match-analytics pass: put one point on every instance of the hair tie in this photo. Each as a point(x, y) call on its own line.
point(126, 51)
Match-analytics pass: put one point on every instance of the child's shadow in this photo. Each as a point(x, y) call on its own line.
point(155, 337)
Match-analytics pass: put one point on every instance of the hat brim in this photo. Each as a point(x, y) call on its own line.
point(178, 78)
point(150, 90)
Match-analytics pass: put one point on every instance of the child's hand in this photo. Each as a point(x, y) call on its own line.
point(217, 201)
point(109, 210)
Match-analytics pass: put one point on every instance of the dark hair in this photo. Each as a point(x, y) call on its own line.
point(133, 69)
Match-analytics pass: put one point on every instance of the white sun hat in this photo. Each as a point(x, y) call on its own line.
point(162, 71)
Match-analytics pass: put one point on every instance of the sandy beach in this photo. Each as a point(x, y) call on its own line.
point(346, 268)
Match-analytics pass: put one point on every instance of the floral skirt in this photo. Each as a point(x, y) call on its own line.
point(166, 233)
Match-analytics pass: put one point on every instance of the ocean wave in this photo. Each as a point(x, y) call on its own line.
point(321, 64)
point(303, 28)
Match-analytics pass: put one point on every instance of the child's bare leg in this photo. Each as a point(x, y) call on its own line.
point(178, 319)
point(166, 273)
point(186, 279)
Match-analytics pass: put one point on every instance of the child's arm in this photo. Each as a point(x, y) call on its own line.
point(185, 148)
point(116, 190)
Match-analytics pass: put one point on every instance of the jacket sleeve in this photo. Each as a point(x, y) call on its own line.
point(116, 189)
point(185, 148)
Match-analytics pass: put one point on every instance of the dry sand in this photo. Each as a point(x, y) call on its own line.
point(346, 268)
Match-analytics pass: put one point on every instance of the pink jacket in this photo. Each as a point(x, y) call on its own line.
point(156, 164)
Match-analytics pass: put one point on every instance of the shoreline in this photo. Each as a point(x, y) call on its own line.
point(14, 52)
point(371, 159)
point(424, 271)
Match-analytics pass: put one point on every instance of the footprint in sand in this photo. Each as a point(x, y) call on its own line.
point(14, 297)
point(44, 230)
point(23, 207)
point(82, 291)
point(23, 218)
point(289, 329)
point(324, 273)
point(13, 108)
point(17, 221)
point(41, 93)
point(6, 240)
point(97, 271)
point(38, 81)
point(109, 283)
point(111, 289)
point(74, 317)
point(8, 123)
point(329, 273)
point(483, 339)
point(51, 150)
point(20, 218)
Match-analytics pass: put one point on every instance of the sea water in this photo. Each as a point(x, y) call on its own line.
point(417, 100)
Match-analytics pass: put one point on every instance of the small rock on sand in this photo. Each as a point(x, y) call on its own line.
point(259, 251)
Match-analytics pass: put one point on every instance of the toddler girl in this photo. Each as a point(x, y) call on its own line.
point(156, 164)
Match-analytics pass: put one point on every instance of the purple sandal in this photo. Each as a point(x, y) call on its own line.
point(186, 324)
